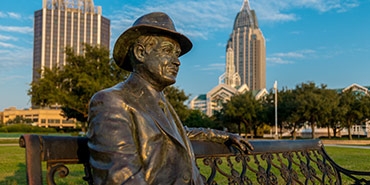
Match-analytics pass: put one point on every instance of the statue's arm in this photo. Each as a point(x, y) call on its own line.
point(218, 136)
point(114, 155)
point(206, 134)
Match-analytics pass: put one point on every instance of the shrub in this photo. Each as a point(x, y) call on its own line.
point(26, 129)
point(3, 129)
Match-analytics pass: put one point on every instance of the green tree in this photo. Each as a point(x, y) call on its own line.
point(243, 109)
point(310, 104)
point(44, 92)
point(197, 118)
point(354, 109)
point(365, 107)
point(72, 85)
point(330, 110)
point(287, 111)
point(177, 99)
point(19, 120)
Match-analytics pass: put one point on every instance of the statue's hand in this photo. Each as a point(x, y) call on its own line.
point(240, 142)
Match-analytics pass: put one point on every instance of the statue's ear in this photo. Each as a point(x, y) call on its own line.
point(139, 52)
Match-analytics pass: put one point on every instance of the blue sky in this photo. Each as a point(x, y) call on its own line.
point(324, 41)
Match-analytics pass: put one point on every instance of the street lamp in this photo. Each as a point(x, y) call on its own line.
point(276, 92)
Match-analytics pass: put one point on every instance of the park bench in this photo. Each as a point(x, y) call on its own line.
point(271, 162)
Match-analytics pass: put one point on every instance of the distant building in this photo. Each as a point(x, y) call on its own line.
point(245, 68)
point(39, 117)
point(199, 103)
point(356, 88)
point(212, 101)
point(246, 52)
point(62, 23)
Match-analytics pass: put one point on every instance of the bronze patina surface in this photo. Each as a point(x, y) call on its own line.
point(134, 135)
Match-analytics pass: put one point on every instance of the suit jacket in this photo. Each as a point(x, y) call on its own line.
point(135, 137)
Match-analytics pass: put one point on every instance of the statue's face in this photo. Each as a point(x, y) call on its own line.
point(162, 62)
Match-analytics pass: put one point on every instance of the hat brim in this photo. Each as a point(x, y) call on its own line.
point(127, 38)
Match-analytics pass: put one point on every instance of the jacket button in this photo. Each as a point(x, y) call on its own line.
point(186, 177)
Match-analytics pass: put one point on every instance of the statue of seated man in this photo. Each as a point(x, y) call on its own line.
point(135, 136)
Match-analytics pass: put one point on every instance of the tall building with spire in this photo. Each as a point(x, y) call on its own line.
point(247, 47)
point(245, 65)
point(62, 23)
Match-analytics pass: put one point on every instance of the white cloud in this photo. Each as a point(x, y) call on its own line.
point(11, 15)
point(221, 44)
point(294, 54)
point(296, 32)
point(214, 67)
point(200, 19)
point(278, 60)
point(7, 45)
point(289, 57)
point(14, 15)
point(18, 29)
point(15, 57)
point(278, 11)
point(12, 77)
point(4, 37)
point(2, 14)
point(196, 19)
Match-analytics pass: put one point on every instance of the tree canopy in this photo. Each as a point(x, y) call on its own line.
point(177, 98)
point(72, 85)
point(243, 109)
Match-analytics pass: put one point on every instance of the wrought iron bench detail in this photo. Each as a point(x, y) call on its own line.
point(271, 162)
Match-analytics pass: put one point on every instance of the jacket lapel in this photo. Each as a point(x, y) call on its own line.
point(142, 91)
point(181, 129)
point(166, 124)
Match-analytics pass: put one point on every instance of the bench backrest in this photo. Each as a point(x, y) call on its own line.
point(271, 162)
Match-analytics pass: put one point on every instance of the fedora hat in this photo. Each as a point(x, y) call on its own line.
point(156, 23)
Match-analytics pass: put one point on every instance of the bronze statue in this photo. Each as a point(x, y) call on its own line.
point(135, 136)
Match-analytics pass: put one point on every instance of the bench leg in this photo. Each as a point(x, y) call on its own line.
point(33, 158)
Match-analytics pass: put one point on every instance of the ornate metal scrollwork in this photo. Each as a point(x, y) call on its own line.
point(296, 167)
point(53, 169)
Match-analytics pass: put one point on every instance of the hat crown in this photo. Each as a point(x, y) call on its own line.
point(157, 19)
point(156, 23)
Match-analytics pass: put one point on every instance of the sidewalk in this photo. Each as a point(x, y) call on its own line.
point(9, 144)
point(348, 146)
point(346, 142)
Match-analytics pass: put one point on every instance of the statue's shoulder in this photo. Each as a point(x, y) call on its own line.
point(110, 93)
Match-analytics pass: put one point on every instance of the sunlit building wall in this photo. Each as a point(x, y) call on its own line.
point(39, 117)
point(249, 49)
point(62, 23)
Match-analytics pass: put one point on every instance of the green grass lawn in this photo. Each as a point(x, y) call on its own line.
point(13, 169)
point(17, 135)
point(349, 158)
point(8, 138)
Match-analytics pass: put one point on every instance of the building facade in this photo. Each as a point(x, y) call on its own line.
point(66, 23)
point(245, 68)
point(246, 52)
point(39, 117)
point(212, 101)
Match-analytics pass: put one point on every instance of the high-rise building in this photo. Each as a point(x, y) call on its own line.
point(245, 65)
point(246, 52)
point(62, 23)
